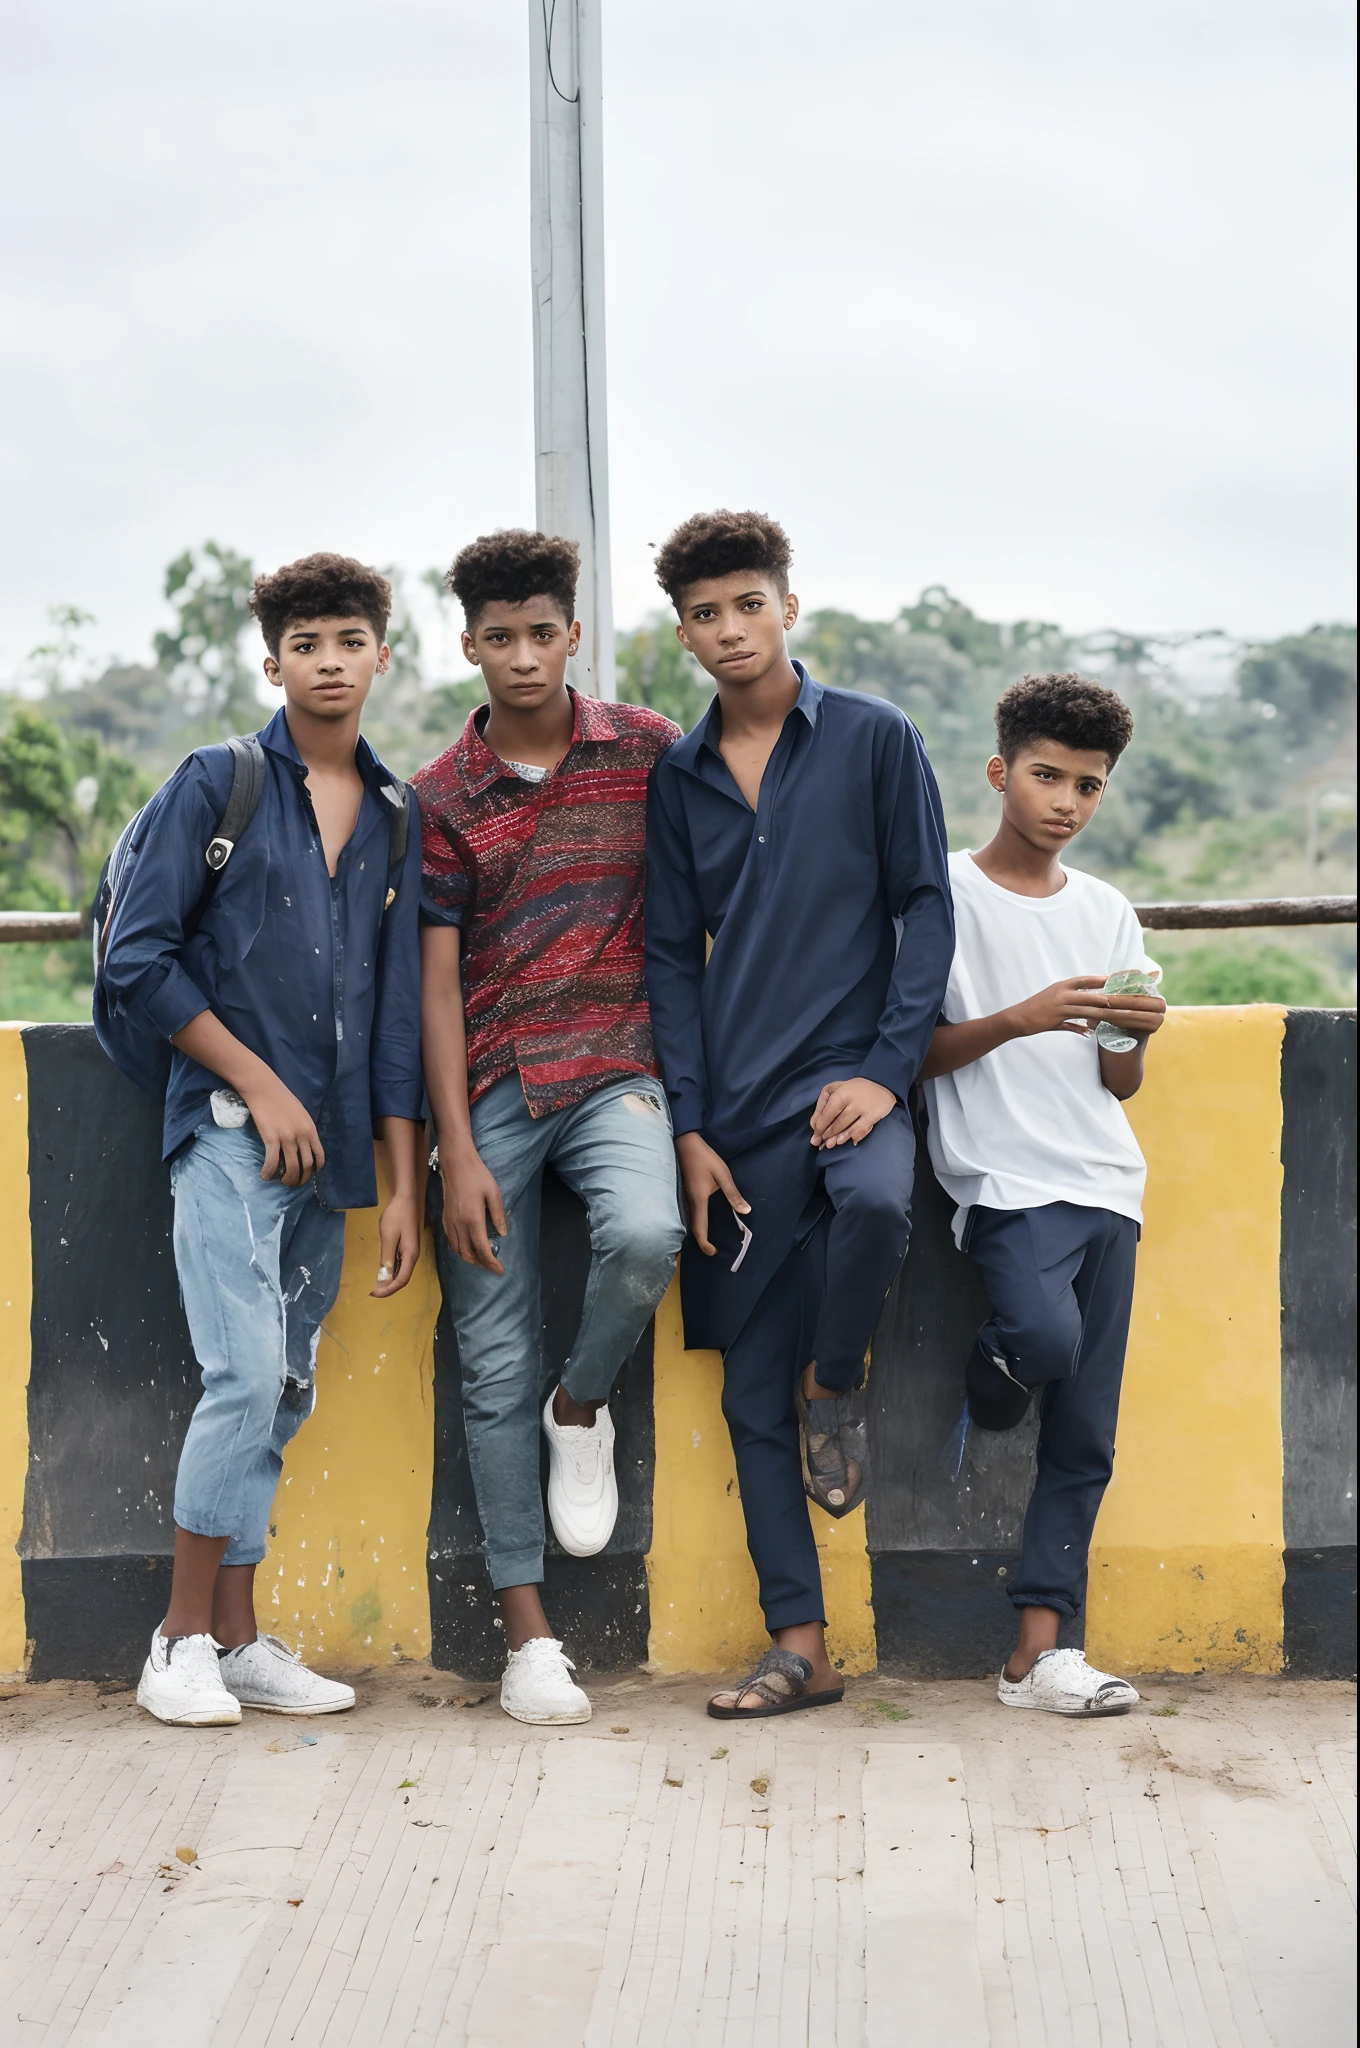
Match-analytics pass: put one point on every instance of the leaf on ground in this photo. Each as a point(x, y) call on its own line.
point(716, 1753)
point(187, 1855)
point(408, 1784)
point(295, 1902)
point(618, 1731)
point(885, 1710)
point(760, 1786)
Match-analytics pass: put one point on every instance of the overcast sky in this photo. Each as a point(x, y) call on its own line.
point(1047, 301)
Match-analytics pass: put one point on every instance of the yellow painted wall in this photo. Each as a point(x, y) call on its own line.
point(1187, 1566)
point(704, 1611)
point(345, 1575)
point(16, 1309)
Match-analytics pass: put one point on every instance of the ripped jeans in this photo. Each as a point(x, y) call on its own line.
point(259, 1270)
point(614, 1150)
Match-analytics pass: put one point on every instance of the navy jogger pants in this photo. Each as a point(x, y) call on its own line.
point(1060, 1280)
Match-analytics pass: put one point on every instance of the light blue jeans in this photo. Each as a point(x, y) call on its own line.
point(614, 1150)
point(259, 1270)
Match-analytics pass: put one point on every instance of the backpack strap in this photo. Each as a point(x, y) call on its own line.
point(398, 794)
point(247, 787)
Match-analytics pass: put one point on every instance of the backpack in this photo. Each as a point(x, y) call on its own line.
point(144, 1059)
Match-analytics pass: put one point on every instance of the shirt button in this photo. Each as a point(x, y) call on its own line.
point(762, 838)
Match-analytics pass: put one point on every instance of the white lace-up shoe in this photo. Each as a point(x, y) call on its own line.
point(267, 1675)
point(1062, 1682)
point(538, 1686)
point(583, 1494)
point(181, 1683)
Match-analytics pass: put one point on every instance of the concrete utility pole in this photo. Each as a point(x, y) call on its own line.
point(571, 449)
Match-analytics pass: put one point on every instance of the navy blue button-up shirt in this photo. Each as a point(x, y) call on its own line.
point(313, 974)
point(804, 899)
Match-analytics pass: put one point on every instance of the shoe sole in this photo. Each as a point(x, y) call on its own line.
point(269, 1707)
point(547, 1720)
point(1076, 1712)
point(856, 1500)
point(573, 1546)
point(210, 1717)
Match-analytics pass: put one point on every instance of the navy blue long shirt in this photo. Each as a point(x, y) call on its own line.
point(803, 899)
point(313, 974)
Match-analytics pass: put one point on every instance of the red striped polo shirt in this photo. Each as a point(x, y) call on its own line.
point(545, 881)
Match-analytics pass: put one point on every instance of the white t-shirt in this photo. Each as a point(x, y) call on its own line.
point(1033, 1122)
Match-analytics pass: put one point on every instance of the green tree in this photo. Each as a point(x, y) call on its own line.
point(209, 591)
point(63, 801)
point(1307, 682)
point(652, 668)
point(60, 662)
point(1234, 973)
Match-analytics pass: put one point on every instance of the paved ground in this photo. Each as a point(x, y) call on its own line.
point(915, 1869)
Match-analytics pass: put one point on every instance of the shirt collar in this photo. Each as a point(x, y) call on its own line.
point(276, 739)
point(479, 767)
point(685, 753)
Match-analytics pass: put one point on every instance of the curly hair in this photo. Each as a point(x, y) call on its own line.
point(511, 566)
point(319, 587)
point(1069, 710)
point(720, 544)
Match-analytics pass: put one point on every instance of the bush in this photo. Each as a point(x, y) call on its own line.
point(46, 984)
point(1247, 974)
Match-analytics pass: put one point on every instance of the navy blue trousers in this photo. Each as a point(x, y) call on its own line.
point(1060, 1280)
point(823, 1302)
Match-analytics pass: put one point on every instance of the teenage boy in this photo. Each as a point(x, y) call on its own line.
point(1028, 1137)
point(798, 828)
point(538, 1053)
point(290, 997)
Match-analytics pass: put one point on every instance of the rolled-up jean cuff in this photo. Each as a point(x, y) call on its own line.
point(1061, 1603)
point(236, 1552)
point(516, 1568)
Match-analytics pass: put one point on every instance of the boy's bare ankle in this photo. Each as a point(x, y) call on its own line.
point(808, 1640)
point(570, 1414)
point(522, 1613)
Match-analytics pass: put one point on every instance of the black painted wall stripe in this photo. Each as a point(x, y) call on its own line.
point(1317, 1340)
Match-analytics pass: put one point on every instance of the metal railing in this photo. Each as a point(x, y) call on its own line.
point(1266, 910)
point(41, 926)
point(50, 926)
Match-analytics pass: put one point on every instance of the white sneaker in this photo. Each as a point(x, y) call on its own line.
point(181, 1683)
point(538, 1685)
point(266, 1674)
point(583, 1494)
point(1062, 1682)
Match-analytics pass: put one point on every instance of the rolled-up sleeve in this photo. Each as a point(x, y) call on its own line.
point(396, 1084)
point(445, 879)
point(913, 850)
point(161, 893)
point(676, 950)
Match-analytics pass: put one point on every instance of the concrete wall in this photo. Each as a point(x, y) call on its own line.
point(1226, 1541)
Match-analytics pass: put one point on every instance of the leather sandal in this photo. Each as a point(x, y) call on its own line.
point(833, 1436)
point(781, 1680)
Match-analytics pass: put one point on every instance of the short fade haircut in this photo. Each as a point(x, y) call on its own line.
point(1070, 710)
point(511, 566)
point(320, 587)
point(722, 544)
